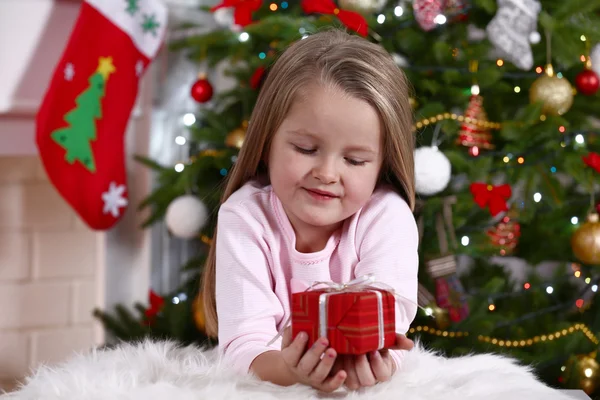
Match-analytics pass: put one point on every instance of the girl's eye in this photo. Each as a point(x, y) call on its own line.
point(303, 150)
point(355, 162)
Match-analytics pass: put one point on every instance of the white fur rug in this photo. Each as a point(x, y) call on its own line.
point(165, 371)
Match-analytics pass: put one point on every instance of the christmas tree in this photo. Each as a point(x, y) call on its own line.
point(506, 169)
point(76, 138)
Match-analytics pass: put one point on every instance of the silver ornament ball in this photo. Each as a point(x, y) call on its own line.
point(595, 57)
point(186, 216)
point(362, 6)
point(432, 170)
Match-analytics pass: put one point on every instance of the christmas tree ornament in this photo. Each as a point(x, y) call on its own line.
point(595, 59)
point(224, 18)
point(587, 81)
point(156, 304)
point(413, 103)
point(198, 312)
point(493, 197)
point(364, 7)
point(351, 19)
point(242, 10)
point(426, 11)
point(256, 79)
point(81, 123)
point(510, 29)
point(236, 137)
point(432, 170)
point(400, 60)
point(456, 10)
point(473, 132)
point(202, 90)
point(450, 294)
point(556, 94)
point(186, 216)
point(585, 241)
point(592, 160)
point(505, 235)
point(582, 371)
point(442, 317)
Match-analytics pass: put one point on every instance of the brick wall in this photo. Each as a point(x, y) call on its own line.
point(50, 272)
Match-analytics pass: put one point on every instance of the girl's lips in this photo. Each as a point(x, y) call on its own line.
point(321, 194)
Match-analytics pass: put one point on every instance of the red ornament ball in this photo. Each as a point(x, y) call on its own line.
point(587, 82)
point(202, 90)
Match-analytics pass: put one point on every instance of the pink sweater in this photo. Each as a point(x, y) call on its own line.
point(258, 266)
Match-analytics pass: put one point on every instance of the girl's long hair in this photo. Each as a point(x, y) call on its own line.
point(337, 59)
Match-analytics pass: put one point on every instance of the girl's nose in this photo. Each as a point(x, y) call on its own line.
point(326, 172)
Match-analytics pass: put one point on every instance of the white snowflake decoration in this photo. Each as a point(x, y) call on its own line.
point(139, 68)
point(69, 72)
point(114, 199)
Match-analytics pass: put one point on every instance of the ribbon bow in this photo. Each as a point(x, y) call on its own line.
point(243, 10)
point(494, 197)
point(360, 283)
point(592, 160)
point(351, 19)
point(156, 305)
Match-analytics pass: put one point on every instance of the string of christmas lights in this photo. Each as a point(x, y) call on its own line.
point(511, 343)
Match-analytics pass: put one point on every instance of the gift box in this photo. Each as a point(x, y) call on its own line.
point(354, 322)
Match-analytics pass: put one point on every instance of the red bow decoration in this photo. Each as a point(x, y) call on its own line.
point(592, 160)
point(351, 19)
point(156, 305)
point(243, 10)
point(256, 77)
point(491, 196)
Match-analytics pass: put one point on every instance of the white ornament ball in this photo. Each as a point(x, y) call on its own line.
point(224, 16)
point(595, 57)
point(400, 60)
point(535, 37)
point(432, 170)
point(186, 216)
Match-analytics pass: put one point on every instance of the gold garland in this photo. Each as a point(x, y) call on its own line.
point(207, 153)
point(461, 118)
point(512, 343)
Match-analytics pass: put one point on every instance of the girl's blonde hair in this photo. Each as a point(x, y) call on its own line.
point(337, 59)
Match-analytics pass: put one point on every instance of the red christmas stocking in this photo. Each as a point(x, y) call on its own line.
point(82, 119)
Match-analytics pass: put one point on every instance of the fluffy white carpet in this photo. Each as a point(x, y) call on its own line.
point(165, 371)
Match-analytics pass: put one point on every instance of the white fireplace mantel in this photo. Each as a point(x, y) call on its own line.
point(33, 35)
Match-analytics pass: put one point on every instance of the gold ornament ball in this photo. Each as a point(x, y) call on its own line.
point(235, 138)
point(362, 6)
point(413, 102)
point(198, 313)
point(555, 93)
point(582, 371)
point(585, 242)
point(442, 319)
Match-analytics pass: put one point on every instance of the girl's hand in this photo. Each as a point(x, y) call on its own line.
point(367, 370)
point(308, 367)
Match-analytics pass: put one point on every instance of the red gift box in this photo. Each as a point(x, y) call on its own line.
point(354, 322)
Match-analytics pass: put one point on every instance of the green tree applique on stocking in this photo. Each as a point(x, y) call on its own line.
point(77, 137)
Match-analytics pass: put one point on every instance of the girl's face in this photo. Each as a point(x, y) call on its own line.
point(325, 158)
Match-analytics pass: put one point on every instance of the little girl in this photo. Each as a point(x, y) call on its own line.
point(322, 190)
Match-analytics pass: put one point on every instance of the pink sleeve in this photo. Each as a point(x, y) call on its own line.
point(247, 307)
point(387, 243)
